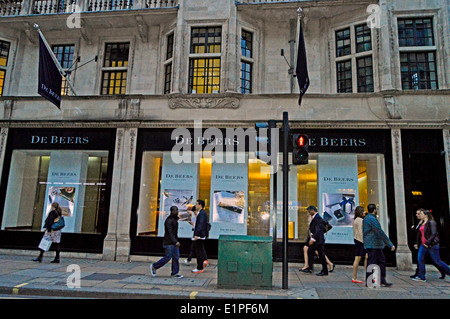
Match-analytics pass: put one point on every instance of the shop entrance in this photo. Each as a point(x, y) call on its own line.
point(426, 185)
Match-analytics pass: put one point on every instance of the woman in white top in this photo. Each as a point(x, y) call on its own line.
point(359, 243)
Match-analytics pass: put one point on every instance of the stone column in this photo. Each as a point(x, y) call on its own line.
point(403, 253)
point(117, 241)
point(126, 195)
point(110, 243)
point(447, 158)
point(3, 139)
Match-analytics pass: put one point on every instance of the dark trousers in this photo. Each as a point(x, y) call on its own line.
point(192, 252)
point(200, 253)
point(376, 257)
point(322, 260)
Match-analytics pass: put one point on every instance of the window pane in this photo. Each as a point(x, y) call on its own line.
point(365, 74)
point(246, 78)
point(4, 53)
point(418, 71)
point(343, 44)
point(415, 32)
point(2, 81)
point(74, 179)
point(114, 82)
point(206, 40)
point(363, 38)
point(246, 44)
point(344, 77)
point(204, 75)
point(116, 54)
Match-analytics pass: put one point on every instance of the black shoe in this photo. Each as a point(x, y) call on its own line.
point(307, 270)
point(442, 276)
point(386, 284)
point(332, 269)
point(413, 276)
point(55, 261)
point(39, 260)
point(322, 274)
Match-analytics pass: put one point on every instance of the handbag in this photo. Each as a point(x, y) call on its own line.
point(327, 226)
point(59, 223)
point(45, 243)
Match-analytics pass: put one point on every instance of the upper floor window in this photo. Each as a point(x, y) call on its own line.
point(246, 62)
point(354, 61)
point(115, 68)
point(4, 56)
point(343, 43)
point(168, 64)
point(417, 48)
point(415, 32)
point(205, 60)
point(64, 54)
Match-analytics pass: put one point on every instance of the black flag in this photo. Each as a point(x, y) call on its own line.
point(49, 85)
point(302, 67)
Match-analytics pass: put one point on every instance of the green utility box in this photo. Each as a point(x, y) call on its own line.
point(245, 262)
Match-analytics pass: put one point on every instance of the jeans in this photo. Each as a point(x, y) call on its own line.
point(171, 252)
point(433, 252)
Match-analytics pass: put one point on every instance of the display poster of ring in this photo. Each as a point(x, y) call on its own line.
point(66, 186)
point(179, 187)
point(338, 195)
point(229, 199)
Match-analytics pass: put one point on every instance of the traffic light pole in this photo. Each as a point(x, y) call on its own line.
point(285, 198)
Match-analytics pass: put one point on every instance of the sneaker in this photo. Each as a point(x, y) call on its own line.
point(355, 281)
point(178, 276)
point(196, 271)
point(153, 270)
point(205, 263)
point(187, 261)
point(417, 278)
point(386, 284)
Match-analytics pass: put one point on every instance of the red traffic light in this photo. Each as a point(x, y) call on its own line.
point(301, 140)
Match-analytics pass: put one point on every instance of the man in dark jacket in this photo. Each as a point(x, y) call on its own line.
point(170, 244)
point(374, 241)
point(317, 241)
point(200, 234)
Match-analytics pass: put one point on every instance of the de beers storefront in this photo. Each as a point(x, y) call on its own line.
point(116, 188)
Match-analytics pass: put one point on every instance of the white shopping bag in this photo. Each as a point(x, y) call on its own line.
point(45, 243)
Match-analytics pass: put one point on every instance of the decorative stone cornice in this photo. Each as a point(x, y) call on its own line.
point(209, 101)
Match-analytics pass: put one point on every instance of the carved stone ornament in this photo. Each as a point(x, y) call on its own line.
point(206, 102)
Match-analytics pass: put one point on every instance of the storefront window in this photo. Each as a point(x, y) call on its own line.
point(75, 179)
point(236, 195)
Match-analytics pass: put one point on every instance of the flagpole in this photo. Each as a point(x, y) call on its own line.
point(60, 69)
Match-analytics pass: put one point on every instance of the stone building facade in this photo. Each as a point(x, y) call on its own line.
point(379, 74)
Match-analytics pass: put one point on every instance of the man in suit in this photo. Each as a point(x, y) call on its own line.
point(316, 241)
point(200, 234)
point(374, 241)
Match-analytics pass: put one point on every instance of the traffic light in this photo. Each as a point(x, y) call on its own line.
point(264, 140)
point(300, 151)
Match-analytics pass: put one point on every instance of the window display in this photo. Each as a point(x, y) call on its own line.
point(75, 179)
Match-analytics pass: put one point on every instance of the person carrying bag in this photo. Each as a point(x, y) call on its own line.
point(53, 225)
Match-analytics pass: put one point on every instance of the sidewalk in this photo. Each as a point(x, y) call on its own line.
point(101, 279)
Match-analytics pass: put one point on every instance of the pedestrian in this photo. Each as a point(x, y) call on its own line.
point(200, 234)
point(305, 268)
point(194, 213)
point(52, 234)
point(360, 251)
point(316, 241)
point(428, 244)
point(170, 244)
point(416, 231)
point(375, 240)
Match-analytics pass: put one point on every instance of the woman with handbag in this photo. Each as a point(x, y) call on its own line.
point(53, 225)
point(428, 244)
